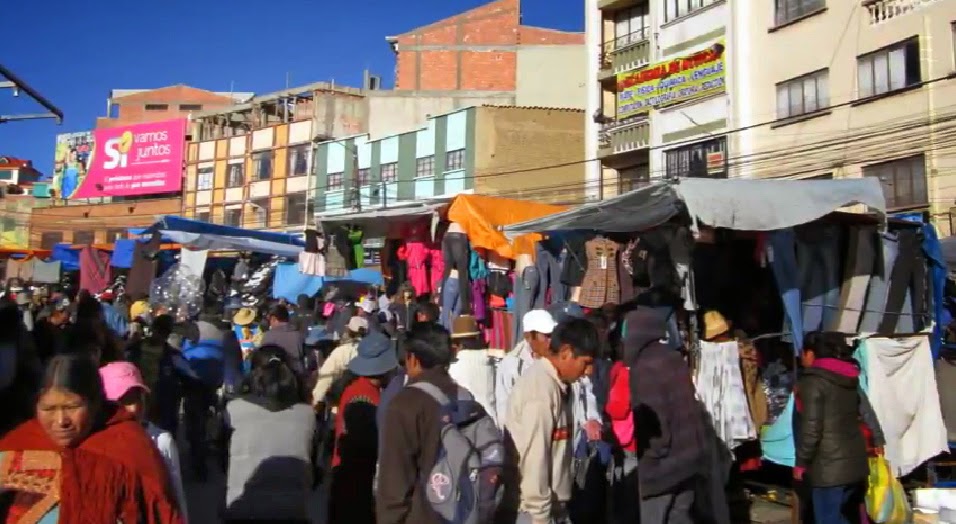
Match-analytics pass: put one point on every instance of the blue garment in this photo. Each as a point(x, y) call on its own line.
point(289, 283)
point(837, 504)
point(933, 250)
point(123, 253)
point(114, 320)
point(783, 261)
point(776, 440)
point(450, 302)
point(477, 268)
point(206, 358)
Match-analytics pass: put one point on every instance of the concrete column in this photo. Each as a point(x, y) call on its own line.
point(592, 41)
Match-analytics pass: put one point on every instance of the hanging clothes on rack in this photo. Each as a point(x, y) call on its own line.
point(311, 259)
point(46, 272)
point(145, 265)
point(20, 268)
point(720, 387)
point(600, 285)
point(94, 270)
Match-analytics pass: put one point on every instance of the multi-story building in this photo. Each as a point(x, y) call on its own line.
point(17, 178)
point(660, 98)
point(867, 94)
point(135, 106)
point(518, 152)
point(251, 166)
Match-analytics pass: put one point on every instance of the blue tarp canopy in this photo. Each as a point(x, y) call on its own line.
point(203, 235)
point(69, 258)
point(289, 283)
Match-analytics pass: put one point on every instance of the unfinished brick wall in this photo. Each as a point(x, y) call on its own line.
point(473, 51)
point(132, 108)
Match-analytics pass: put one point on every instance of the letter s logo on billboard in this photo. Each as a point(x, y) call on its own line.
point(116, 150)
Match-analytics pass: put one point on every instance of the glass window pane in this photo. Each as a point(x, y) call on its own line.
point(897, 69)
point(881, 80)
point(865, 77)
point(796, 98)
point(810, 94)
point(920, 195)
point(823, 95)
point(783, 102)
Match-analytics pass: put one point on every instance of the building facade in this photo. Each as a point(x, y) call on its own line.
point(518, 152)
point(136, 106)
point(869, 97)
point(17, 179)
point(95, 223)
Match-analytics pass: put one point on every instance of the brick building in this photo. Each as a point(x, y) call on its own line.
point(135, 106)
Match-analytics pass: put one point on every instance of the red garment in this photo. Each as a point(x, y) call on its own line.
point(361, 390)
point(115, 475)
point(94, 270)
point(415, 254)
point(437, 264)
point(619, 406)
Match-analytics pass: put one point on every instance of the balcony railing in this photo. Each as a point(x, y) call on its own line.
point(626, 52)
point(885, 10)
point(624, 136)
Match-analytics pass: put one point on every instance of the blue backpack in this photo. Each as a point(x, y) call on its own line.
point(465, 484)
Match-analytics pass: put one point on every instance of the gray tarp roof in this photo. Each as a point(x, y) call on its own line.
point(742, 204)
point(376, 222)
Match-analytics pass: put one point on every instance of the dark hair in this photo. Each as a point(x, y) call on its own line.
point(77, 373)
point(280, 312)
point(163, 324)
point(272, 379)
point(578, 333)
point(431, 311)
point(828, 344)
point(430, 342)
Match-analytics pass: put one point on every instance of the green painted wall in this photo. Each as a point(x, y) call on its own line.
point(441, 146)
point(406, 166)
point(375, 172)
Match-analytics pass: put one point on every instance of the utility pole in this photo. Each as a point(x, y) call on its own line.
point(356, 189)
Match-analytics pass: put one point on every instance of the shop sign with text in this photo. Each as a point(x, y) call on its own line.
point(697, 75)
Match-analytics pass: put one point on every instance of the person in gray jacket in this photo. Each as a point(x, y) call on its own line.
point(283, 334)
point(270, 450)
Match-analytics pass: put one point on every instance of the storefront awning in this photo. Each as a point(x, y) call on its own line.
point(378, 222)
point(203, 235)
point(746, 205)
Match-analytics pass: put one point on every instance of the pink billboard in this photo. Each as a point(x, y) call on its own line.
point(140, 159)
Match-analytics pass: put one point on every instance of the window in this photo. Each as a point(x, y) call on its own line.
point(455, 160)
point(632, 178)
point(903, 181)
point(889, 69)
point(295, 209)
point(390, 172)
point(50, 239)
point(802, 95)
point(677, 8)
point(202, 216)
point(262, 165)
point(335, 182)
point(425, 167)
point(156, 107)
point(299, 159)
point(233, 217)
point(112, 235)
point(260, 208)
point(790, 10)
point(204, 178)
point(364, 177)
point(705, 159)
point(83, 237)
point(190, 107)
point(631, 25)
point(235, 174)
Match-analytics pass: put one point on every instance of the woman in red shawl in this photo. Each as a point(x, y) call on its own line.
point(81, 460)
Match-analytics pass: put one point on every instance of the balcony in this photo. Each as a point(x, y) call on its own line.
point(885, 10)
point(625, 136)
point(624, 53)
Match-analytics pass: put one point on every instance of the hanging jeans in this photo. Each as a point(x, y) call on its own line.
point(879, 285)
point(818, 263)
point(549, 273)
point(783, 261)
point(451, 300)
point(457, 254)
point(905, 307)
point(861, 258)
point(526, 289)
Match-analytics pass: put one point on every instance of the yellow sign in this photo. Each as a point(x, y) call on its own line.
point(671, 82)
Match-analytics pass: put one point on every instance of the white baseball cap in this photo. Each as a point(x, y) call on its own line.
point(538, 321)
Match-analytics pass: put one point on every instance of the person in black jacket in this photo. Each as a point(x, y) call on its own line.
point(831, 449)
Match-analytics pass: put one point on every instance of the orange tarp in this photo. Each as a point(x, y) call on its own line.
point(481, 216)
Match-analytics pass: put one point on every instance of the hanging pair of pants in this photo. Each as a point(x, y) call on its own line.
point(451, 301)
point(905, 307)
point(861, 259)
point(456, 253)
point(818, 263)
point(781, 247)
point(879, 289)
point(549, 273)
point(526, 289)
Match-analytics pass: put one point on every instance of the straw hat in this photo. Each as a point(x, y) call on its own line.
point(140, 308)
point(715, 325)
point(464, 326)
point(244, 317)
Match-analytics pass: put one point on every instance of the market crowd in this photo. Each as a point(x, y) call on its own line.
point(592, 417)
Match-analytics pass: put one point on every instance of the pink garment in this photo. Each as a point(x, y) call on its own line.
point(94, 270)
point(437, 263)
point(415, 254)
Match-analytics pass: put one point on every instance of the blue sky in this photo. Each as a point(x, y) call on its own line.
point(75, 52)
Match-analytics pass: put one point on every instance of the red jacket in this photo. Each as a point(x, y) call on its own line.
point(619, 406)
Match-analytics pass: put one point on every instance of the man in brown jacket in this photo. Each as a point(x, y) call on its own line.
point(412, 431)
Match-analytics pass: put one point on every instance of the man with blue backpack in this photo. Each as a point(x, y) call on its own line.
point(442, 455)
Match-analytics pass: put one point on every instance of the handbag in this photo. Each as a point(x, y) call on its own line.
point(886, 501)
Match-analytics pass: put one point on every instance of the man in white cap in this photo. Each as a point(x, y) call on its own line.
point(538, 325)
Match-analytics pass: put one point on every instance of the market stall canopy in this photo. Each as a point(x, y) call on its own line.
point(746, 205)
point(483, 216)
point(378, 222)
point(203, 235)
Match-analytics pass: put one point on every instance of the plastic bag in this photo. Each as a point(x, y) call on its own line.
point(885, 499)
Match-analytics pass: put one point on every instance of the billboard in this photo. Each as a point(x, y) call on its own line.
point(671, 82)
point(139, 159)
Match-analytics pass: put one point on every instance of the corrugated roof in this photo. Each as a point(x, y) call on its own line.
point(542, 108)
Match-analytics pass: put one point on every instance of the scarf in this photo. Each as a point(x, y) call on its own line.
point(114, 475)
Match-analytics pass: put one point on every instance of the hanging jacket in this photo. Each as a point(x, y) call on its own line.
point(476, 266)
